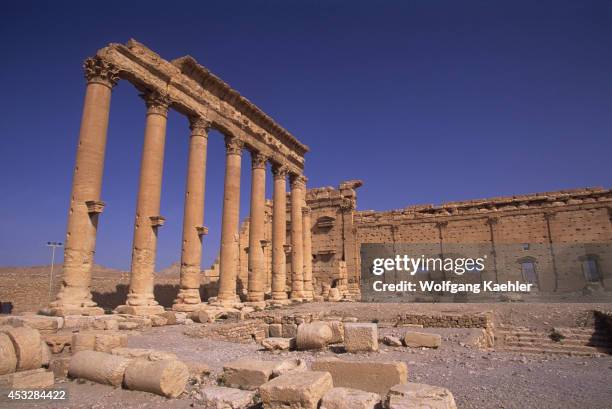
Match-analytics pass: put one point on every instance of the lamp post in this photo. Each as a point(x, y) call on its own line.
point(53, 245)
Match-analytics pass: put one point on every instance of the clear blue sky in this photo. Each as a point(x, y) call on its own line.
point(426, 101)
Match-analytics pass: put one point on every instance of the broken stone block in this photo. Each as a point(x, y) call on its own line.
point(422, 339)
point(166, 378)
point(59, 366)
point(98, 367)
point(289, 365)
point(337, 328)
point(219, 397)
point(83, 341)
point(275, 330)
point(45, 354)
point(27, 342)
point(37, 322)
point(417, 395)
point(360, 337)
point(158, 321)
point(105, 324)
point(57, 342)
point(295, 390)
point(31, 379)
point(334, 294)
point(370, 376)
point(127, 325)
point(8, 356)
point(132, 322)
point(289, 330)
point(248, 373)
point(277, 344)
point(197, 370)
point(392, 341)
point(170, 317)
point(347, 398)
point(315, 335)
point(144, 353)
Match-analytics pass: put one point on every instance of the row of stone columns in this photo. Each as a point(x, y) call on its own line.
point(85, 206)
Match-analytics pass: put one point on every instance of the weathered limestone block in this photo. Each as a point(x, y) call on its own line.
point(289, 365)
point(158, 321)
point(31, 379)
point(105, 324)
point(347, 398)
point(26, 342)
point(83, 341)
point(360, 337)
point(8, 356)
point(98, 367)
point(166, 378)
point(59, 366)
point(337, 328)
point(132, 322)
point(370, 376)
point(392, 341)
point(103, 341)
point(248, 374)
point(422, 339)
point(296, 390)
point(334, 294)
point(45, 354)
point(289, 330)
point(278, 344)
point(197, 370)
point(57, 342)
point(315, 335)
point(219, 397)
point(148, 354)
point(39, 322)
point(170, 317)
point(417, 396)
point(275, 330)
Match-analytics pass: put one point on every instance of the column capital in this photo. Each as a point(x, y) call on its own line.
point(279, 170)
point(101, 72)
point(258, 160)
point(233, 145)
point(199, 125)
point(157, 103)
point(298, 181)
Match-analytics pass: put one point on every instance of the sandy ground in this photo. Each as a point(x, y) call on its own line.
point(478, 379)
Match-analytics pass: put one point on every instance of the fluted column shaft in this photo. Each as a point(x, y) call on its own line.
point(257, 278)
point(148, 218)
point(279, 221)
point(297, 239)
point(193, 218)
point(229, 223)
point(85, 204)
point(306, 230)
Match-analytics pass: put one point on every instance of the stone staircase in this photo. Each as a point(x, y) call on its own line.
point(583, 341)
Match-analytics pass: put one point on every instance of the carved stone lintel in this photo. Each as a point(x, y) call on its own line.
point(157, 103)
point(298, 181)
point(258, 160)
point(157, 221)
point(202, 230)
point(199, 125)
point(94, 206)
point(279, 171)
point(233, 145)
point(99, 71)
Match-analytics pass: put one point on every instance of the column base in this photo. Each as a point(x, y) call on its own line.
point(184, 307)
point(279, 296)
point(278, 303)
point(62, 311)
point(139, 309)
point(255, 297)
point(225, 303)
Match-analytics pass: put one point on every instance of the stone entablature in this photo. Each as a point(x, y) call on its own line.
point(195, 91)
point(550, 201)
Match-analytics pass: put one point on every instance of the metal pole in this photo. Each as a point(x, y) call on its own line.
point(53, 245)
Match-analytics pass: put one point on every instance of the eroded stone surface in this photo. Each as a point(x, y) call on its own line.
point(417, 396)
point(296, 390)
point(360, 337)
point(347, 398)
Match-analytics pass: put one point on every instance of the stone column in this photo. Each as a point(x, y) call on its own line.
point(140, 299)
point(307, 232)
point(188, 298)
point(298, 185)
point(257, 276)
point(279, 222)
point(229, 223)
point(74, 296)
